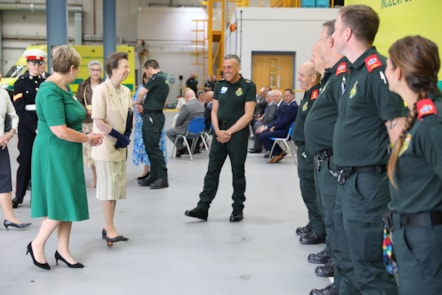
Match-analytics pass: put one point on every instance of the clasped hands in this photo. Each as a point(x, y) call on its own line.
point(96, 138)
point(223, 136)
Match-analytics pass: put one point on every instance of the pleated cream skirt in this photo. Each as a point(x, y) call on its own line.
point(111, 180)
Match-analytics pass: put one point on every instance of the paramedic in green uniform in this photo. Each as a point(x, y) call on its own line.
point(319, 129)
point(234, 103)
point(309, 81)
point(370, 117)
point(156, 91)
point(415, 167)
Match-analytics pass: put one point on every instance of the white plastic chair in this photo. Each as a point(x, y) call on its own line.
point(285, 143)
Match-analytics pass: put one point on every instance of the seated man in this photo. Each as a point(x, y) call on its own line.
point(281, 128)
point(191, 109)
point(275, 107)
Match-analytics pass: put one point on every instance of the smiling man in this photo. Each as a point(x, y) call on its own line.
point(234, 103)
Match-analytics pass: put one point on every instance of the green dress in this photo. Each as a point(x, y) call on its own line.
point(58, 183)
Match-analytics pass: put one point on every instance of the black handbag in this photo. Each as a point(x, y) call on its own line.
point(8, 123)
point(129, 121)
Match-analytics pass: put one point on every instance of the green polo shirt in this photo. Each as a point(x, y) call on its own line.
point(232, 98)
point(418, 173)
point(158, 87)
point(310, 96)
point(360, 137)
point(320, 122)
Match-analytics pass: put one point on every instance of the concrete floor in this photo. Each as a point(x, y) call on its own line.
point(169, 253)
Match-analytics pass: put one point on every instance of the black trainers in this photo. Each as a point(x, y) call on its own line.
point(329, 290)
point(236, 216)
point(197, 213)
point(319, 258)
point(159, 183)
point(303, 229)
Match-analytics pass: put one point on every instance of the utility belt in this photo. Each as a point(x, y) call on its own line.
point(225, 124)
point(30, 107)
point(324, 155)
point(424, 219)
point(152, 111)
point(345, 172)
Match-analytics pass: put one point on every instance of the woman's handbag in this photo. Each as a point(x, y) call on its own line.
point(129, 122)
point(8, 123)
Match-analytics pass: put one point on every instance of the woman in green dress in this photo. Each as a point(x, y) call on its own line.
point(58, 183)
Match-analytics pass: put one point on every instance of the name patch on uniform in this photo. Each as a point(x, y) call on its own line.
point(18, 96)
point(372, 62)
point(342, 68)
point(425, 107)
point(238, 91)
point(314, 94)
point(223, 89)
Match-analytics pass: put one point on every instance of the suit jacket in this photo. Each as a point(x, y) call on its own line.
point(287, 117)
point(192, 109)
point(279, 113)
point(112, 107)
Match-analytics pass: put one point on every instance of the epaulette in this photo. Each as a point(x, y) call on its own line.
point(372, 62)
point(247, 81)
point(425, 107)
point(314, 95)
point(342, 68)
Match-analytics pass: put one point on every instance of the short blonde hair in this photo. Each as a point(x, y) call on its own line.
point(63, 58)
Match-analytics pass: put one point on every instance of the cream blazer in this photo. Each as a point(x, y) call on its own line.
point(110, 106)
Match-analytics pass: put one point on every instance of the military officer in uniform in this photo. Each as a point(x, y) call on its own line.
point(319, 129)
point(314, 232)
point(234, 103)
point(25, 90)
point(369, 118)
point(156, 91)
point(415, 166)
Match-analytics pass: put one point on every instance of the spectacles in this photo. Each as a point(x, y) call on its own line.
point(37, 62)
point(95, 70)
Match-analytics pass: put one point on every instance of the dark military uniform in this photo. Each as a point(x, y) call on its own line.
point(360, 147)
point(305, 162)
point(231, 98)
point(319, 129)
point(25, 90)
point(417, 204)
point(153, 123)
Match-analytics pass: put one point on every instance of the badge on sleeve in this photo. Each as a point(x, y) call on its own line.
point(425, 107)
point(372, 62)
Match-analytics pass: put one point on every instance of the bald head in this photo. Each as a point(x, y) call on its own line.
point(307, 75)
point(189, 94)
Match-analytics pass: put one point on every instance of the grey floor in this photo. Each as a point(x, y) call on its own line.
point(169, 253)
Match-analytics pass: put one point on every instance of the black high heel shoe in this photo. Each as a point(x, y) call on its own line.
point(110, 241)
point(59, 257)
point(103, 234)
point(144, 176)
point(38, 264)
point(7, 224)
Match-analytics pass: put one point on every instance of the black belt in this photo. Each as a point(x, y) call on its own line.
point(427, 219)
point(364, 169)
point(225, 123)
point(152, 111)
point(298, 143)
